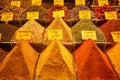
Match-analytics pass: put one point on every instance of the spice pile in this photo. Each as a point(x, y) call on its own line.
point(3, 53)
point(114, 55)
point(42, 12)
point(55, 63)
point(7, 31)
point(108, 27)
point(92, 63)
point(15, 10)
point(75, 12)
point(56, 8)
point(36, 31)
point(20, 63)
point(86, 24)
point(59, 24)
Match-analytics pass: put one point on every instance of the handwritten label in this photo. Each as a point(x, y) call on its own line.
point(59, 2)
point(37, 2)
point(88, 34)
point(0, 36)
point(7, 16)
point(16, 3)
point(84, 15)
point(59, 13)
point(102, 2)
point(55, 34)
point(32, 15)
point(110, 15)
point(24, 35)
point(79, 2)
point(116, 36)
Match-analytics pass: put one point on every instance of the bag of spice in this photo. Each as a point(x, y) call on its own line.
point(36, 31)
point(114, 55)
point(92, 63)
point(20, 63)
point(108, 27)
point(7, 31)
point(58, 24)
point(55, 63)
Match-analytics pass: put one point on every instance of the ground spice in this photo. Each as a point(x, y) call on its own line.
point(92, 63)
point(86, 24)
point(114, 55)
point(108, 27)
point(59, 24)
point(3, 53)
point(55, 63)
point(42, 12)
point(36, 31)
point(15, 10)
point(75, 12)
point(20, 63)
point(7, 31)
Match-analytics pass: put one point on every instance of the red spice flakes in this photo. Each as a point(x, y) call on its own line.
point(108, 27)
point(92, 63)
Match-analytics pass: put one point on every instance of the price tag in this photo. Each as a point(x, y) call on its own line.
point(102, 2)
point(0, 36)
point(59, 13)
point(37, 2)
point(110, 15)
point(16, 3)
point(79, 2)
point(55, 34)
point(84, 15)
point(32, 15)
point(116, 36)
point(24, 34)
point(88, 34)
point(7, 16)
point(59, 2)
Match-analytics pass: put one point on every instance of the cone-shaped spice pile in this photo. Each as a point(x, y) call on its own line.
point(59, 24)
point(114, 55)
point(86, 24)
point(108, 27)
point(3, 53)
point(92, 63)
point(55, 63)
point(36, 31)
point(20, 63)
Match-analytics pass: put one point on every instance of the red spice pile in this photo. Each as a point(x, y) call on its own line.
point(92, 63)
point(108, 27)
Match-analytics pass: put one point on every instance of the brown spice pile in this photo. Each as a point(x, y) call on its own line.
point(92, 63)
point(3, 53)
point(55, 63)
point(59, 24)
point(20, 63)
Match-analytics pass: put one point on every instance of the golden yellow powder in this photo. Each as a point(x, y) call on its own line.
point(55, 63)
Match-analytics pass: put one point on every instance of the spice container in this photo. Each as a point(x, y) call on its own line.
point(55, 63)
point(92, 63)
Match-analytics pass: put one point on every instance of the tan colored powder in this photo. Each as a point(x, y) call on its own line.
point(36, 30)
point(114, 55)
point(55, 63)
point(92, 63)
point(59, 24)
point(20, 63)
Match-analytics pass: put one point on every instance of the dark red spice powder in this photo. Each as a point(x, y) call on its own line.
point(108, 27)
point(92, 63)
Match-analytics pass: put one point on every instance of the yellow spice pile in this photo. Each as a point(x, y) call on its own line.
point(20, 63)
point(55, 63)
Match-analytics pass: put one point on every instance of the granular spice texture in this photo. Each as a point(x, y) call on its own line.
point(55, 63)
point(59, 24)
point(3, 53)
point(86, 24)
point(114, 55)
point(92, 63)
point(108, 27)
point(7, 31)
point(36, 31)
point(20, 63)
